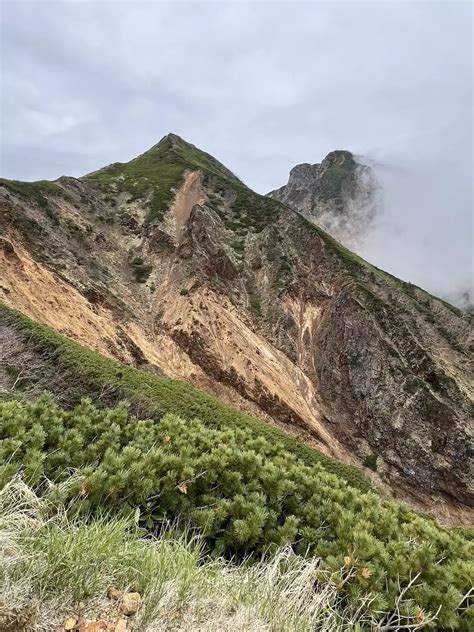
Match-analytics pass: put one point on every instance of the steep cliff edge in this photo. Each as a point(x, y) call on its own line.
point(170, 263)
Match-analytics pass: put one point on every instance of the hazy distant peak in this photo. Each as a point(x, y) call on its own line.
point(339, 194)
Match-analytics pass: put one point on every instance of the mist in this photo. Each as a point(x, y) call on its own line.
point(422, 203)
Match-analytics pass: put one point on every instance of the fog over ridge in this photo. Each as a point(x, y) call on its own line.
point(413, 235)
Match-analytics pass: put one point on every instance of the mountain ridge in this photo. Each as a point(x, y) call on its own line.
point(174, 265)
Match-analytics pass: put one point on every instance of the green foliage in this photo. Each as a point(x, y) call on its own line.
point(245, 494)
point(34, 191)
point(255, 303)
point(352, 262)
point(141, 271)
point(340, 169)
point(416, 293)
point(239, 246)
point(371, 299)
point(420, 297)
point(252, 210)
point(414, 384)
point(184, 291)
point(284, 275)
point(37, 193)
point(86, 373)
point(370, 461)
point(451, 337)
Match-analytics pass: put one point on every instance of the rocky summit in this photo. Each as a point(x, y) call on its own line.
point(171, 264)
point(340, 194)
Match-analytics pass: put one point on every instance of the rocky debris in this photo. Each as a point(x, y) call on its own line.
point(130, 603)
point(121, 626)
point(115, 594)
point(117, 616)
point(97, 626)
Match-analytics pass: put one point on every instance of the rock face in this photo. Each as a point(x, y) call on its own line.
point(340, 194)
point(172, 264)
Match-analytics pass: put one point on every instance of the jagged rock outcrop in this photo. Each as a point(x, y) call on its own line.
point(171, 263)
point(340, 194)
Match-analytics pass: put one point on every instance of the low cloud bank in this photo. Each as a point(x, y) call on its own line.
point(422, 231)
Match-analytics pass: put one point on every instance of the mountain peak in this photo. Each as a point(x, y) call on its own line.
point(172, 136)
point(172, 140)
point(159, 171)
point(340, 158)
point(175, 150)
point(338, 194)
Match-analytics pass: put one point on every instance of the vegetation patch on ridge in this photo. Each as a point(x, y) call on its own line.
point(341, 166)
point(158, 173)
point(140, 269)
point(36, 192)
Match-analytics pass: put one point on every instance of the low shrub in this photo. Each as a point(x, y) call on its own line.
point(246, 495)
point(370, 461)
point(141, 270)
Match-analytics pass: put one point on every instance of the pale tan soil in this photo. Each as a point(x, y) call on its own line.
point(243, 351)
point(29, 287)
point(189, 195)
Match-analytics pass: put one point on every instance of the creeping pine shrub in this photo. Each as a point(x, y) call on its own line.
point(370, 461)
point(247, 495)
point(141, 270)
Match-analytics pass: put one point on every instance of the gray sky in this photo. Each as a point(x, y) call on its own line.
point(262, 86)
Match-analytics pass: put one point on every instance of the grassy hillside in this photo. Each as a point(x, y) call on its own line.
point(38, 193)
point(247, 496)
point(83, 372)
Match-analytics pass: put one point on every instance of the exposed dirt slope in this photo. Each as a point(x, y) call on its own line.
point(170, 263)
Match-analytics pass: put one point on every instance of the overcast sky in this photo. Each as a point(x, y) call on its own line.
point(262, 86)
